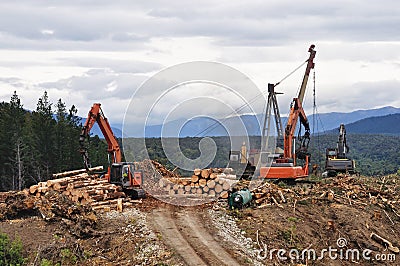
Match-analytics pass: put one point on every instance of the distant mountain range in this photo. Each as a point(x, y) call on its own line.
point(385, 120)
point(333, 120)
point(388, 124)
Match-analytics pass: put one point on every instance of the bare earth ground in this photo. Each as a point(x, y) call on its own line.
point(154, 233)
point(186, 232)
point(307, 227)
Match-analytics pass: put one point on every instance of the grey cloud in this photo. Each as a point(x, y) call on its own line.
point(367, 52)
point(326, 51)
point(15, 82)
point(99, 83)
point(118, 66)
point(260, 23)
point(8, 41)
point(276, 22)
point(128, 37)
point(361, 95)
point(49, 24)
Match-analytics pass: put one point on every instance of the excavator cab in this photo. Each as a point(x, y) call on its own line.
point(331, 153)
point(128, 177)
point(125, 175)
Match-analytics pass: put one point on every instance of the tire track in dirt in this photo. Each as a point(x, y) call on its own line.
point(163, 222)
point(183, 230)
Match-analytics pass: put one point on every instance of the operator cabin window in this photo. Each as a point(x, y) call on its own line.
point(125, 174)
point(126, 170)
point(234, 157)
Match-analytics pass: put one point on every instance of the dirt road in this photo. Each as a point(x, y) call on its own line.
point(183, 230)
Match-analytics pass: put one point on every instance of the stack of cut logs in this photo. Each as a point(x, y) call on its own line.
point(84, 188)
point(212, 182)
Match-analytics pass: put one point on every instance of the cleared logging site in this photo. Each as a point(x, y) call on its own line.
point(83, 213)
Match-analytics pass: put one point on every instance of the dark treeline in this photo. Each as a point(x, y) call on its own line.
point(36, 144)
point(375, 155)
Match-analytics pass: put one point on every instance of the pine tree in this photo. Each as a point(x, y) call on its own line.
point(11, 146)
point(31, 163)
point(61, 138)
point(5, 176)
point(74, 130)
point(17, 116)
point(43, 126)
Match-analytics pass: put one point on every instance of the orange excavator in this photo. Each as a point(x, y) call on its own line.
point(125, 174)
point(285, 167)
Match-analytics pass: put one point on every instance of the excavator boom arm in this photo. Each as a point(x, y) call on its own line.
point(342, 144)
point(297, 111)
point(96, 115)
point(310, 65)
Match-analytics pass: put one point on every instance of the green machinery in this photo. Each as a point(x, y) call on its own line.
point(239, 199)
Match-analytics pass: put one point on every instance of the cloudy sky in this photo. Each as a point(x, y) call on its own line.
point(102, 51)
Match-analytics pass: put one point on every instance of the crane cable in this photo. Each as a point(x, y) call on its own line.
point(318, 162)
point(288, 75)
point(314, 104)
point(316, 122)
point(215, 124)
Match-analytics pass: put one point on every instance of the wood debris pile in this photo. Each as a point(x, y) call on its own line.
point(17, 204)
point(350, 190)
point(164, 172)
point(53, 207)
point(3, 196)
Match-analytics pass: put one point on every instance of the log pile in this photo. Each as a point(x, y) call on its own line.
point(85, 189)
point(211, 182)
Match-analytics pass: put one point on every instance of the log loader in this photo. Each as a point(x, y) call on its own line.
point(336, 159)
point(125, 174)
point(285, 166)
point(281, 166)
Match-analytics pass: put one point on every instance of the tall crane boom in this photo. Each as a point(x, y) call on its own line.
point(96, 115)
point(310, 65)
point(285, 165)
point(296, 111)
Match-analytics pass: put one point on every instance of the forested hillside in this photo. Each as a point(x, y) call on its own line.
point(374, 154)
point(388, 124)
point(36, 144)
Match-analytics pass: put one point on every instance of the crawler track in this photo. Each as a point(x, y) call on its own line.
point(183, 230)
